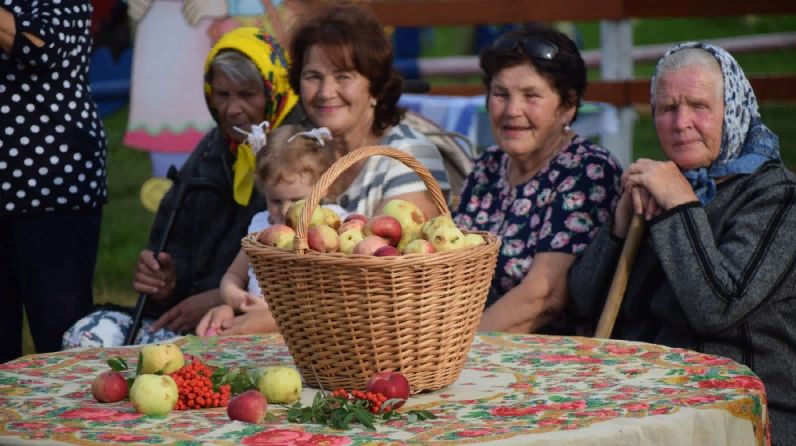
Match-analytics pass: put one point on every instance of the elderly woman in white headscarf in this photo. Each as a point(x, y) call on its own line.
point(716, 269)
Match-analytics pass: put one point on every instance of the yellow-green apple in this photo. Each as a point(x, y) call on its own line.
point(369, 245)
point(473, 240)
point(447, 239)
point(164, 358)
point(293, 215)
point(153, 394)
point(409, 216)
point(349, 239)
point(435, 223)
point(280, 384)
point(249, 406)
point(331, 218)
point(323, 238)
point(393, 385)
point(387, 251)
point(419, 246)
point(386, 227)
point(109, 387)
point(351, 224)
point(279, 235)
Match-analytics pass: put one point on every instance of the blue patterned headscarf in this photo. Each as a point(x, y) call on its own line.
point(746, 142)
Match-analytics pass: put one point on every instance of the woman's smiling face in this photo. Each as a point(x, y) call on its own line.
point(334, 97)
point(525, 111)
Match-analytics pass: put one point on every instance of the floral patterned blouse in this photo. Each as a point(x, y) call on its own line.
point(560, 209)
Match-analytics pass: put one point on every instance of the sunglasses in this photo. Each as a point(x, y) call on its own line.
point(531, 46)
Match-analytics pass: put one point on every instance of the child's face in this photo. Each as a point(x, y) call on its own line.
point(279, 196)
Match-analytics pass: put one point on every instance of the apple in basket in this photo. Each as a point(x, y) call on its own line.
point(357, 224)
point(419, 246)
point(355, 216)
point(387, 251)
point(331, 218)
point(385, 226)
point(294, 213)
point(447, 239)
point(279, 235)
point(435, 224)
point(349, 240)
point(393, 385)
point(109, 387)
point(473, 240)
point(323, 238)
point(409, 216)
point(369, 245)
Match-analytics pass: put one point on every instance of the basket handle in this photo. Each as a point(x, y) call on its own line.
point(341, 165)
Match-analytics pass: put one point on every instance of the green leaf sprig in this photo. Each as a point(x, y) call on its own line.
point(338, 413)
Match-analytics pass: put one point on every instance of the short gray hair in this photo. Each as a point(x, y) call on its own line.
point(688, 57)
point(237, 67)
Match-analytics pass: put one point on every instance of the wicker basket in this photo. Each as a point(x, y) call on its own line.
point(345, 317)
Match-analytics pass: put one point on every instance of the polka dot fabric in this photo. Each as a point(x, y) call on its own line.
point(52, 143)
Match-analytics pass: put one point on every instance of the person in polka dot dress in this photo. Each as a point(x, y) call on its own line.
point(52, 170)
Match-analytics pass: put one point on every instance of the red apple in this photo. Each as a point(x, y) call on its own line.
point(385, 226)
point(387, 251)
point(393, 385)
point(369, 245)
point(352, 217)
point(109, 387)
point(250, 407)
point(323, 238)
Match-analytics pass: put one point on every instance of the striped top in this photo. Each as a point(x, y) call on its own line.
point(382, 178)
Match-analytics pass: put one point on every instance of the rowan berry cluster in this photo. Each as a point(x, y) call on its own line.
point(374, 400)
point(195, 388)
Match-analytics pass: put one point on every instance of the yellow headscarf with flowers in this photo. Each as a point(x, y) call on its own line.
point(271, 61)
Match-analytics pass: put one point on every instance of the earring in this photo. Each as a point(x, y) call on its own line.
point(567, 127)
point(373, 102)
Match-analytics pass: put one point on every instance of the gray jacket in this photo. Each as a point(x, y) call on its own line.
point(719, 280)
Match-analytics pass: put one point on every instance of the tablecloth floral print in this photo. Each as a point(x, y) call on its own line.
point(512, 386)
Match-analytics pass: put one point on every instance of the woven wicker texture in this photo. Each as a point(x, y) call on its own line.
point(345, 317)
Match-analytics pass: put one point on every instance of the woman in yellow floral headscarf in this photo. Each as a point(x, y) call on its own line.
point(246, 84)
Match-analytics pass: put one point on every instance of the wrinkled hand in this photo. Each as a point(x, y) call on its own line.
point(210, 325)
point(196, 10)
point(186, 315)
point(155, 277)
point(657, 181)
point(136, 9)
point(260, 321)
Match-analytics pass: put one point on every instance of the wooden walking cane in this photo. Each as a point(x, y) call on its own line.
point(619, 283)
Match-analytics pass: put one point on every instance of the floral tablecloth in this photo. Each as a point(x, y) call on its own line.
point(514, 390)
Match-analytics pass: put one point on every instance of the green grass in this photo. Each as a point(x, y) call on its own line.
point(125, 225)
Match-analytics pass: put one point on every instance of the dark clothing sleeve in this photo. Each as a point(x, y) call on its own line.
point(60, 25)
point(590, 275)
point(720, 277)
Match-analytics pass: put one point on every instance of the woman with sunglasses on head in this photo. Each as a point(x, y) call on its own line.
point(542, 188)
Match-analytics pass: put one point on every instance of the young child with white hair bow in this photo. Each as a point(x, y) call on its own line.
point(288, 164)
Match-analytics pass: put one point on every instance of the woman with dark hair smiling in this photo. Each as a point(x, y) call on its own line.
point(342, 69)
point(543, 189)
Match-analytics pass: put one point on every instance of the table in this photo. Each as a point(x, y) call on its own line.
point(514, 390)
